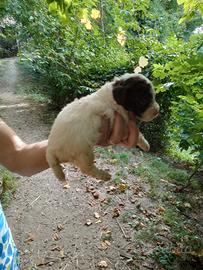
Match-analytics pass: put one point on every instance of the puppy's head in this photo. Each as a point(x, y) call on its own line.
point(136, 94)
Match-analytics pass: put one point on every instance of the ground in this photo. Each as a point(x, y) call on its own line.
point(123, 224)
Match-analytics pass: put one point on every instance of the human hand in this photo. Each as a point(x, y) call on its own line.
point(125, 134)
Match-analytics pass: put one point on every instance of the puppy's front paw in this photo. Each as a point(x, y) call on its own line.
point(143, 143)
point(145, 146)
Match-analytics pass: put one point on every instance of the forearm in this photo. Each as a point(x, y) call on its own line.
point(31, 159)
point(16, 156)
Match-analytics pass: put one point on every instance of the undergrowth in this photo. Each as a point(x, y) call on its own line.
point(8, 186)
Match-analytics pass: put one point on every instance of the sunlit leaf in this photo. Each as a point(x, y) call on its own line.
point(121, 37)
point(137, 70)
point(143, 61)
point(95, 13)
point(88, 25)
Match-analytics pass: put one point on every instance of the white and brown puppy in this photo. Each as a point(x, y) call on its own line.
point(77, 127)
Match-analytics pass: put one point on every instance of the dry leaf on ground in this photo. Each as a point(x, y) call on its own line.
point(102, 264)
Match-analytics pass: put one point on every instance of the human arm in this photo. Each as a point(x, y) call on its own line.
point(19, 157)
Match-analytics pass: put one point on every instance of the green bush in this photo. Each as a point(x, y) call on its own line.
point(183, 70)
point(8, 44)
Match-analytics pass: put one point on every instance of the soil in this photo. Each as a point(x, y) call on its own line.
point(53, 227)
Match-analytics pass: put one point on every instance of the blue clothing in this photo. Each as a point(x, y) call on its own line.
point(9, 255)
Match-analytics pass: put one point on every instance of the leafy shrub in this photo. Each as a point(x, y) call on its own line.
point(8, 44)
point(183, 71)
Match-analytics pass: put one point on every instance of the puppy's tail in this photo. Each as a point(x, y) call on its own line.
point(57, 168)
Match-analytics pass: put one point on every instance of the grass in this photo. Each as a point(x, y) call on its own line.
point(180, 155)
point(164, 256)
point(8, 187)
point(33, 92)
point(115, 155)
point(154, 169)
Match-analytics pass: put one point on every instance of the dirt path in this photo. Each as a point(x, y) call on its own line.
point(49, 222)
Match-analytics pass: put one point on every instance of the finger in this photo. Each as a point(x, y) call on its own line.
point(132, 139)
point(131, 116)
point(120, 130)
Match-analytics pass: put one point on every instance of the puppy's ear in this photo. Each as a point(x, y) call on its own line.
point(119, 92)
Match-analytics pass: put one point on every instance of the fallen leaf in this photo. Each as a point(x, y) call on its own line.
point(116, 212)
point(187, 205)
point(60, 227)
point(121, 204)
point(113, 161)
point(136, 189)
point(96, 215)
point(142, 225)
point(102, 264)
point(62, 254)
point(103, 200)
point(122, 187)
point(88, 222)
point(89, 188)
point(105, 244)
point(106, 235)
point(30, 237)
point(98, 221)
point(55, 237)
point(112, 189)
point(96, 195)
point(133, 199)
point(66, 186)
point(177, 252)
point(161, 210)
point(57, 248)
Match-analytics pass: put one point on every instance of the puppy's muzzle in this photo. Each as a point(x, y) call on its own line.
point(155, 110)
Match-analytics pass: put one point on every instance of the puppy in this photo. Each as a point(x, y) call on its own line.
point(77, 127)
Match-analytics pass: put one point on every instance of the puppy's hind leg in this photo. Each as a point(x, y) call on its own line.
point(56, 167)
point(86, 164)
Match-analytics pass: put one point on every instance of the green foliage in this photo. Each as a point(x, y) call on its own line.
point(8, 187)
point(2, 8)
point(154, 170)
point(8, 46)
point(190, 8)
point(165, 257)
point(186, 101)
point(74, 59)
